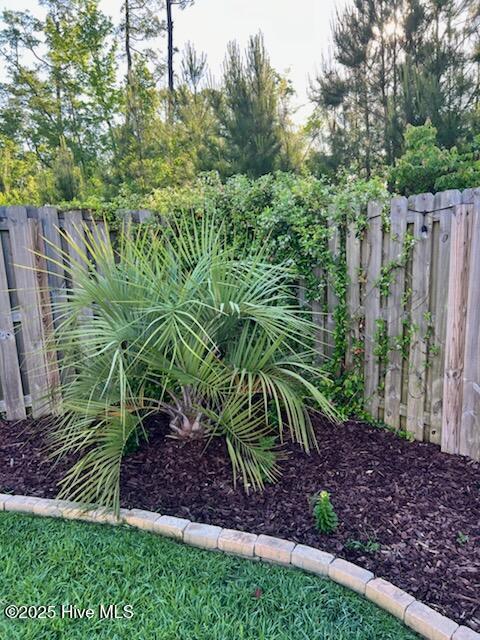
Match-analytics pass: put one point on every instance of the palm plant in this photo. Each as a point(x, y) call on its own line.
point(177, 320)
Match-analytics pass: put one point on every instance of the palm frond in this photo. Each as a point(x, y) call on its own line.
point(180, 321)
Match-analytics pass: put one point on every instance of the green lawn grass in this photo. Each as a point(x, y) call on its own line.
point(176, 592)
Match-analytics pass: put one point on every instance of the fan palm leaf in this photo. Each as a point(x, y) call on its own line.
point(175, 319)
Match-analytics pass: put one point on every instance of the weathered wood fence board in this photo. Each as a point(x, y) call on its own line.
point(444, 203)
point(413, 305)
point(353, 257)
point(419, 316)
point(372, 267)
point(13, 403)
point(28, 286)
point(332, 301)
point(393, 375)
point(469, 440)
point(427, 324)
point(455, 333)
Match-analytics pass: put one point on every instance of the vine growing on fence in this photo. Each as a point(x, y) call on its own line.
point(294, 216)
point(387, 272)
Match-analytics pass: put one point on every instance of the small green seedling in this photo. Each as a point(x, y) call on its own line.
point(326, 520)
point(462, 538)
point(406, 435)
point(370, 546)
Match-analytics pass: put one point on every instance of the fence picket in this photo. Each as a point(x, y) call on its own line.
point(353, 253)
point(45, 309)
point(419, 317)
point(10, 379)
point(444, 203)
point(74, 227)
point(48, 217)
point(318, 315)
point(469, 437)
point(455, 331)
point(332, 300)
point(393, 375)
point(27, 285)
point(372, 306)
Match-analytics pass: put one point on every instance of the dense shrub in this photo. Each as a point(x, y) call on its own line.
point(425, 166)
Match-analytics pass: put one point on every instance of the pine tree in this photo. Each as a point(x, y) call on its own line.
point(250, 109)
point(397, 62)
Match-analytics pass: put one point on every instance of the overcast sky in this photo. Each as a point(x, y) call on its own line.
point(296, 32)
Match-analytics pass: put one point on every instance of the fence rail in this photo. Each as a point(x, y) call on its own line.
point(413, 301)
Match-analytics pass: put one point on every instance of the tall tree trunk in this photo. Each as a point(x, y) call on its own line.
point(57, 76)
point(384, 98)
point(128, 50)
point(128, 53)
point(368, 163)
point(170, 57)
point(58, 103)
point(396, 142)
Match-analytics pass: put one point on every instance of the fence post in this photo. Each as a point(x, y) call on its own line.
point(455, 331)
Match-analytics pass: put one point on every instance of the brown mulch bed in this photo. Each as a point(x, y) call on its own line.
point(420, 505)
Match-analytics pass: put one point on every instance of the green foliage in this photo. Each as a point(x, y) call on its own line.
point(64, 89)
point(405, 435)
point(292, 217)
point(192, 325)
point(462, 538)
point(370, 546)
point(397, 63)
point(18, 184)
point(425, 166)
point(387, 272)
point(250, 112)
point(67, 176)
point(60, 74)
point(90, 131)
point(381, 342)
point(112, 210)
point(326, 520)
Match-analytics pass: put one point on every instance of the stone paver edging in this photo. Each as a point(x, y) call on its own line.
point(426, 621)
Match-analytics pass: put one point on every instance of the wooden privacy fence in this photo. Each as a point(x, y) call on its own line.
point(413, 301)
point(414, 306)
point(28, 372)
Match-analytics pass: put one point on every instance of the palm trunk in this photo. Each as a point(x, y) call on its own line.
point(186, 419)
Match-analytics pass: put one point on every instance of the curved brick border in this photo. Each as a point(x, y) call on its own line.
point(428, 623)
